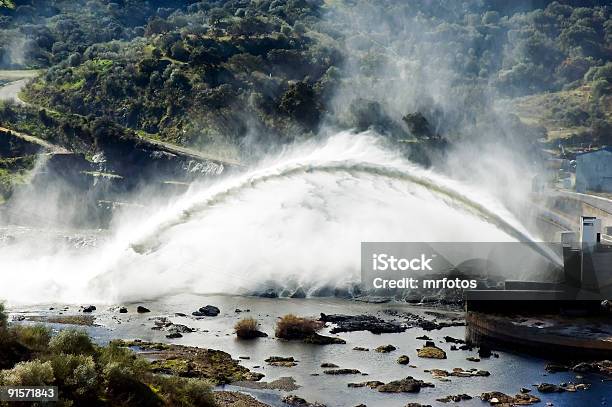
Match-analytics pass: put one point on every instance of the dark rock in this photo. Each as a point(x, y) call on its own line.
point(549, 388)
point(329, 365)
point(180, 314)
point(207, 311)
point(403, 360)
point(424, 338)
point(180, 328)
point(352, 323)
point(252, 334)
point(317, 339)
point(341, 371)
point(472, 359)
point(173, 335)
point(237, 310)
point(484, 351)
point(142, 310)
point(407, 385)
point(371, 384)
point(525, 390)
point(123, 310)
point(450, 339)
point(417, 405)
point(299, 402)
point(361, 349)
point(90, 308)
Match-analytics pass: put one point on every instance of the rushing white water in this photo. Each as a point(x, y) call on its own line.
point(296, 219)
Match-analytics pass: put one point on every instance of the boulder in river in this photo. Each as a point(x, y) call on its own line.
point(341, 371)
point(352, 323)
point(317, 339)
point(431, 351)
point(207, 311)
point(90, 308)
point(498, 398)
point(385, 349)
point(142, 310)
point(406, 385)
point(403, 360)
point(281, 361)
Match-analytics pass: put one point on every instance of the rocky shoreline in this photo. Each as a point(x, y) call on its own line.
point(220, 368)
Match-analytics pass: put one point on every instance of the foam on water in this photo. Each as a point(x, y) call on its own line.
point(298, 218)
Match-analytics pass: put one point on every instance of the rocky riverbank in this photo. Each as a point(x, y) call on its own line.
point(277, 372)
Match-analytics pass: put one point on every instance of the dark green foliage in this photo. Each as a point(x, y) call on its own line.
point(72, 342)
point(3, 317)
point(34, 337)
point(86, 375)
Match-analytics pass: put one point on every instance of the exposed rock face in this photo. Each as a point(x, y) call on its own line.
point(207, 311)
point(385, 349)
point(352, 323)
point(431, 351)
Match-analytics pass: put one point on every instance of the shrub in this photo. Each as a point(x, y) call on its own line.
point(115, 359)
point(34, 337)
point(181, 392)
point(34, 373)
point(76, 376)
point(72, 342)
point(247, 328)
point(293, 327)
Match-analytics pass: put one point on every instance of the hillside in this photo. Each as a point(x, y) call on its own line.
point(236, 79)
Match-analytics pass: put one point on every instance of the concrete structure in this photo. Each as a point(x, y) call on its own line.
point(587, 271)
point(594, 171)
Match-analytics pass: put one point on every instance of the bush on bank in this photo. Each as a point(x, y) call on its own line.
point(88, 374)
